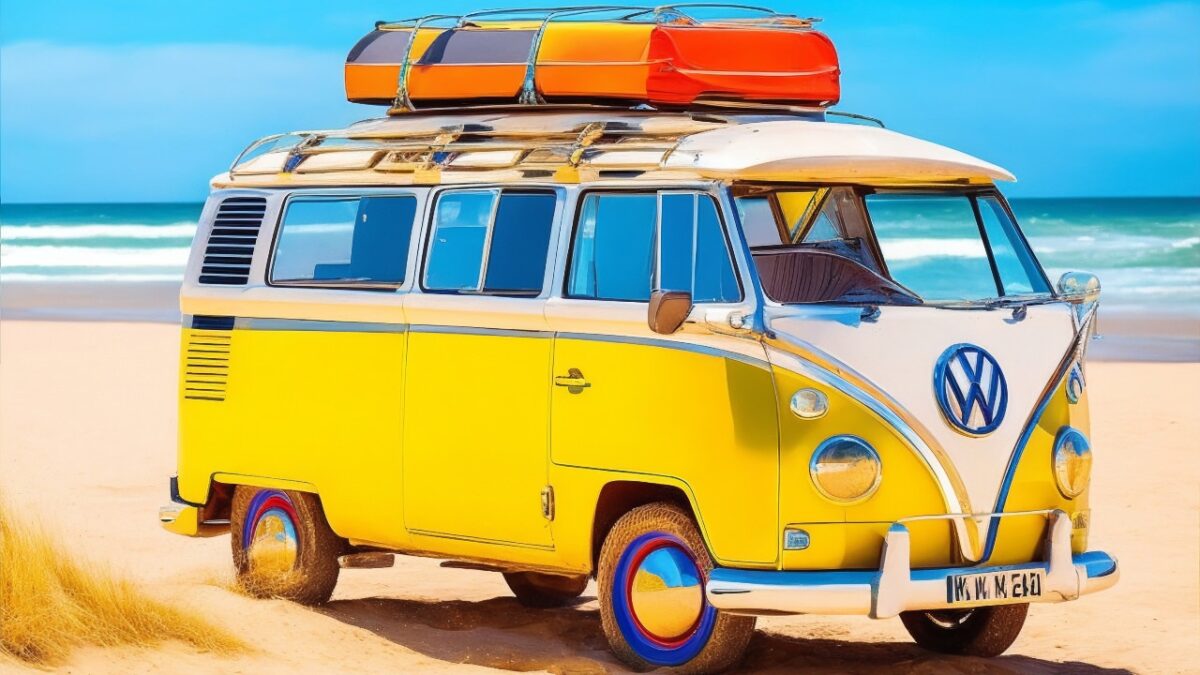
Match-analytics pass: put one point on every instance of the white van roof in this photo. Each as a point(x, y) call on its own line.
point(579, 145)
point(820, 151)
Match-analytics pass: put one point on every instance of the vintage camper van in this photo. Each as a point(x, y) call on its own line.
point(727, 359)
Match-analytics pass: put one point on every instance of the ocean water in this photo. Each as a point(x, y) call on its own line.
point(1146, 251)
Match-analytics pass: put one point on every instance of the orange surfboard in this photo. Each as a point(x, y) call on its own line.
point(668, 65)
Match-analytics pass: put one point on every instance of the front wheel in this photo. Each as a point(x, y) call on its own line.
point(282, 545)
point(982, 631)
point(653, 610)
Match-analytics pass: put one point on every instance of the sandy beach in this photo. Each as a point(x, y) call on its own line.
point(87, 440)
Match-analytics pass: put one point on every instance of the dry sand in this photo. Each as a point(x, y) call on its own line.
point(87, 438)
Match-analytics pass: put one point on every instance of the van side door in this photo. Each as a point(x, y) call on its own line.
point(476, 391)
point(695, 409)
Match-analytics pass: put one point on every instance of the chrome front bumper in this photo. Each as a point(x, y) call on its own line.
point(895, 587)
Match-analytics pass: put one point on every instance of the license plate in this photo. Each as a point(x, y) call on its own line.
point(995, 588)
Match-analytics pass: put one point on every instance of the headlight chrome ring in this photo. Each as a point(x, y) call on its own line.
point(1072, 459)
point(846, 469)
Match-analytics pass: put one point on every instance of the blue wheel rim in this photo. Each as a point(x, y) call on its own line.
point(645, 646)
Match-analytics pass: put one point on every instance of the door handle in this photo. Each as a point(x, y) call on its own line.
point(574, 379)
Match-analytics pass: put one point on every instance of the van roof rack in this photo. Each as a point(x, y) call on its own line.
point(529, 142)
point(678, 13)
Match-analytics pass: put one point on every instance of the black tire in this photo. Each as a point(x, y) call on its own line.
point(545, 590)
point(314, 573)
point(730, 634)
point(982, 631)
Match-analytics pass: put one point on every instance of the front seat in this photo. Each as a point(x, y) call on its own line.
point(794, 275)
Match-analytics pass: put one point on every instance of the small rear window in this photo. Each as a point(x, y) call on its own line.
point(344, 241)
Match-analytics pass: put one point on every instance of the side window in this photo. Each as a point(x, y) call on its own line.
point(798, 207)
point(758, 221)
point(625, 244)
point(344, 241)
point(1019, 274)
point(460, 225)
point(693, 255)
point(822, 229)
point(490, 241)
point(612, 255)
point(520, 242)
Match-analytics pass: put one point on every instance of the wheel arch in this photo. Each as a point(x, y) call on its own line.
point(218, 500)
point(622, 496)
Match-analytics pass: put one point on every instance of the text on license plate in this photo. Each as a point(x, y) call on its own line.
point(995, 587)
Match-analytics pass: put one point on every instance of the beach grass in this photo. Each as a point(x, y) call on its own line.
point(52, 601)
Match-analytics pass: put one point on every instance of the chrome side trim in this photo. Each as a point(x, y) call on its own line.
point(246, 323)
point(669, 344)
point(474, 330)
point(479, 540)
point(365, 327)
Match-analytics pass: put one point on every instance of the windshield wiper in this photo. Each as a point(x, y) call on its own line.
point(994, 303)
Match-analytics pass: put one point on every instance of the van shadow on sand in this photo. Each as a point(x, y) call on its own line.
point(503, 634)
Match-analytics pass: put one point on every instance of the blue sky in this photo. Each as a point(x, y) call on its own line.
point(144, 100)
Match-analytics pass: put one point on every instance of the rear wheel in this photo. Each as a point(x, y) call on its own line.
point(653, 566)
point(545, 590)
point(282, 545)
point(982, 631)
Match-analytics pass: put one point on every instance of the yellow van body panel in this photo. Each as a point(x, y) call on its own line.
point(302, 407)
point(656, 411)
point(907, 488)
point(1019, 538)
point(476, 435)
point(324, 411)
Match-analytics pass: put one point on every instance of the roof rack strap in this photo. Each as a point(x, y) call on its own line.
point(402, 100)
point(529, 93)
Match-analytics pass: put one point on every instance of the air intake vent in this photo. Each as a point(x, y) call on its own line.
point(231, 244)
point(206, 363)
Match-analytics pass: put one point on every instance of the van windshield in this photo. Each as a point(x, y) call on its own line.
point(838, 245)
point(953, 248)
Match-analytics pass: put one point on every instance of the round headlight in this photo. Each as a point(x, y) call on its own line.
point(1072, 462)
point(846, 469)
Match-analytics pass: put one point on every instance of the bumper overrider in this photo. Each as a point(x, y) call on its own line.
point(895, 587)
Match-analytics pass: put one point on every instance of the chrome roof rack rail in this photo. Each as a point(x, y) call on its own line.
point(855, 116)
point(538, 13)
point(676, 12)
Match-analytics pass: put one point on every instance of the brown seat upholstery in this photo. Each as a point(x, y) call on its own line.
point(793, 275)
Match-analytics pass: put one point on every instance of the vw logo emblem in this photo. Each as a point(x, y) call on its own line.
point(970, 389)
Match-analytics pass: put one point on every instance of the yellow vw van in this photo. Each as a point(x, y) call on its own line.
point(726, 362)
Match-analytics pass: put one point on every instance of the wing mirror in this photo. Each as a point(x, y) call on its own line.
point(1079, 287)
point(668, 310)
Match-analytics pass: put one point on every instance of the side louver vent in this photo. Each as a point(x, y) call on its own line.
point(231, 244)
point(206, 363)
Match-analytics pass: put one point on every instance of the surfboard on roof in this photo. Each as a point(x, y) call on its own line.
point(665, 56)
